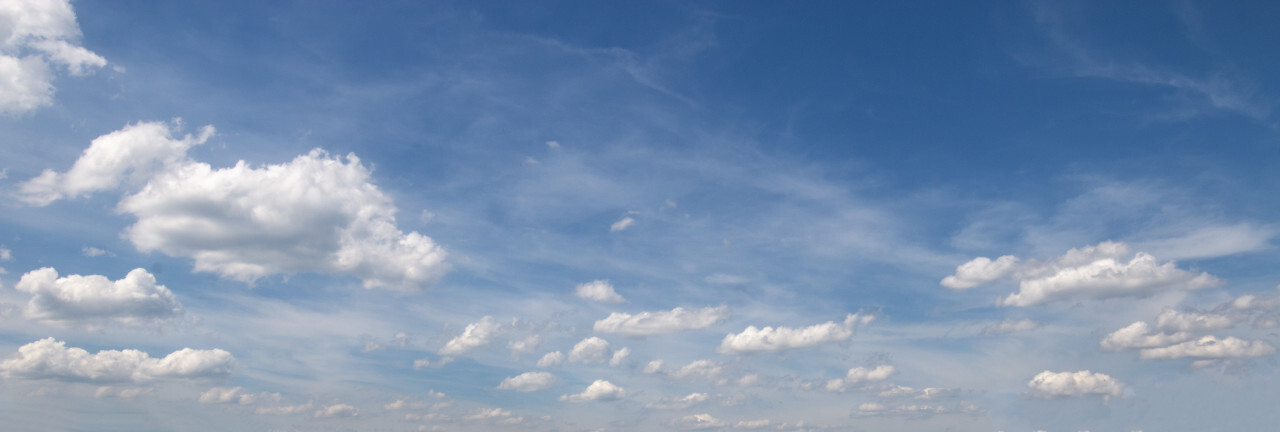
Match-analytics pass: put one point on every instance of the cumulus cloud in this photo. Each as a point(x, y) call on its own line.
point(528, 381)
point(134, 153)
point(754, 339)
point(476, 335)
point(599, 290)
point(1139, 335)
point(1075, 384)
point(701, 421)
point(35, 35)
point(590, 350)
point(1011, 326)
point(619, 356)
point(51, 359)
point(622, 224)
point(678, 403)
point(1212, 348)
point(235, 395)
point(95, 299)
point(979, 271)
point(316, 213)
point(336, 410)
point(600, 390)
point(699, 368)
point(1106, 270)
point(654, 366)
point(499, 415)
point(651, 323)
point(860, 375)
point(551, 359)
point(753, 424)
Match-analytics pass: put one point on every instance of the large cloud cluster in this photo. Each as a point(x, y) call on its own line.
point(316, 213)
point(1109, 269)
point(1174, 337)
point(51, 359)
point(94, 299)
point(35, 35)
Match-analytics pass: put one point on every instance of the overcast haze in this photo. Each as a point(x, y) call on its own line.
point(639, 216)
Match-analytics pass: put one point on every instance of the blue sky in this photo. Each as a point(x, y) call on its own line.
point(576, 216)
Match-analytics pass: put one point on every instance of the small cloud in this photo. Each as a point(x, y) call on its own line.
point(337, 410)
point(91, 251)
point(598, 290)
point(551, 359)
point(619, 356)
point(1075, 384)
point(590, 350)
point(1010, 326)
point(600, 390)
point(725, 279)
point(553, 144)
point(528, 381)
point(622, 224)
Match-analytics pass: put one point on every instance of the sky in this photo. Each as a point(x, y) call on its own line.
point(639, 216)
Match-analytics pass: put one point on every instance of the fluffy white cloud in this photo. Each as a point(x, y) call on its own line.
point(476, 335)
point(33, 34)
point(860, 375)
point(337, 410)
point(622, 224)
point(754, 339)
point(1106, 270)
point(701, 421)
point(699, 368)
point(528, 381)
point(51, 359)
point(1011, 326)
point(317, 213)
point(599, 290)
point(1211, 347)
point(679, 403)
point(979, 271)
point(619, 356)
point(600, 390)
point(590, 350)
point(651, 323)
point(551, 359)
point(139, 150)
point(526, 345)
point(1138, 335)
point(1075, 384)
point(654, 366)
point(94, 299)
point(220, 395)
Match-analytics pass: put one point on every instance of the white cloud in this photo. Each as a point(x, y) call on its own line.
point(590, 350)
point(1075, 384)
point(51, 359)
point(654, 366)
point(502, 416)
point(860, 375)
point(1172, 320)
point(91, 251)
point(1096, 272)
point(284, 410)
point(752, 424)
point(1211, 347)
point(1011, 326)
point(702, 421)
point(220, 395)
point(600, 390)
point(526, 345)
point(5, 254)
point(317, 213)
point(599, 290)
point(619, 356)
point(140, 150)
point(1215, 241)
point(622, 224)
point(528, 381)
point(979, 271)
point(337, 410)
point(651, 323)
point(94, 299)
point(754, 339)
point(1138, 335)
point(476, 335)
point(34, 34)
point(699, 368)
point(679, 403)
point(551, 359)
